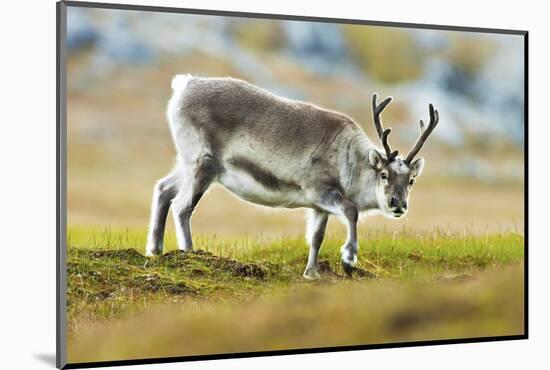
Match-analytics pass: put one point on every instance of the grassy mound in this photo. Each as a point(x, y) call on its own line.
point(109, 283)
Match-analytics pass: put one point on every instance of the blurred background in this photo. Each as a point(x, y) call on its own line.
point(120, 65)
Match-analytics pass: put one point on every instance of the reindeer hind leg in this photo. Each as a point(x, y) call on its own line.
point(195, 182)
point(315, 233)
point(164, 191)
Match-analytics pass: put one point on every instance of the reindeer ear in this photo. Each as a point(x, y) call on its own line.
point(417, 166)
point(375, 159)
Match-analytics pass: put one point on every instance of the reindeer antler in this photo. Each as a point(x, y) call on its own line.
point(382, 133)
point(424, 133)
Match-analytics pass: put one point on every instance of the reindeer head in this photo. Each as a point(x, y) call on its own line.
point(395, 176)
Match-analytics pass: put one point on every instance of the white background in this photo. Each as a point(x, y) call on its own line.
point(27, 193)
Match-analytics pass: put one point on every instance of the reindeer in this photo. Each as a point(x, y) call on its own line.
point(277, 152)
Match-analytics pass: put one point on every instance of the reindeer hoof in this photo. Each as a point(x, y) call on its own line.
point(349, 261)
point(311, 275)
point(151, 252)
point(348, 268)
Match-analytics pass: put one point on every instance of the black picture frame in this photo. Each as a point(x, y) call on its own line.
point(61, 186)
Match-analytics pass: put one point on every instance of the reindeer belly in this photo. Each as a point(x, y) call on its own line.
point(257, 184)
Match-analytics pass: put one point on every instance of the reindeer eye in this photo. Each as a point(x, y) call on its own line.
point(384, 175)
point(411, 182)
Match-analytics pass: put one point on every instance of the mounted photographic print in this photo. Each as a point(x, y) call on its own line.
point(237, 184)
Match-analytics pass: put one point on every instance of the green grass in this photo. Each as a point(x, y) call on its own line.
point(109, 278)
point(396, 254)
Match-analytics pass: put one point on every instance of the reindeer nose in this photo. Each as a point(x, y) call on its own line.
point(399, 206)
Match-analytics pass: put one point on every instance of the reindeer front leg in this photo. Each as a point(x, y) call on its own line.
point(334, 202)
point(350, 248)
